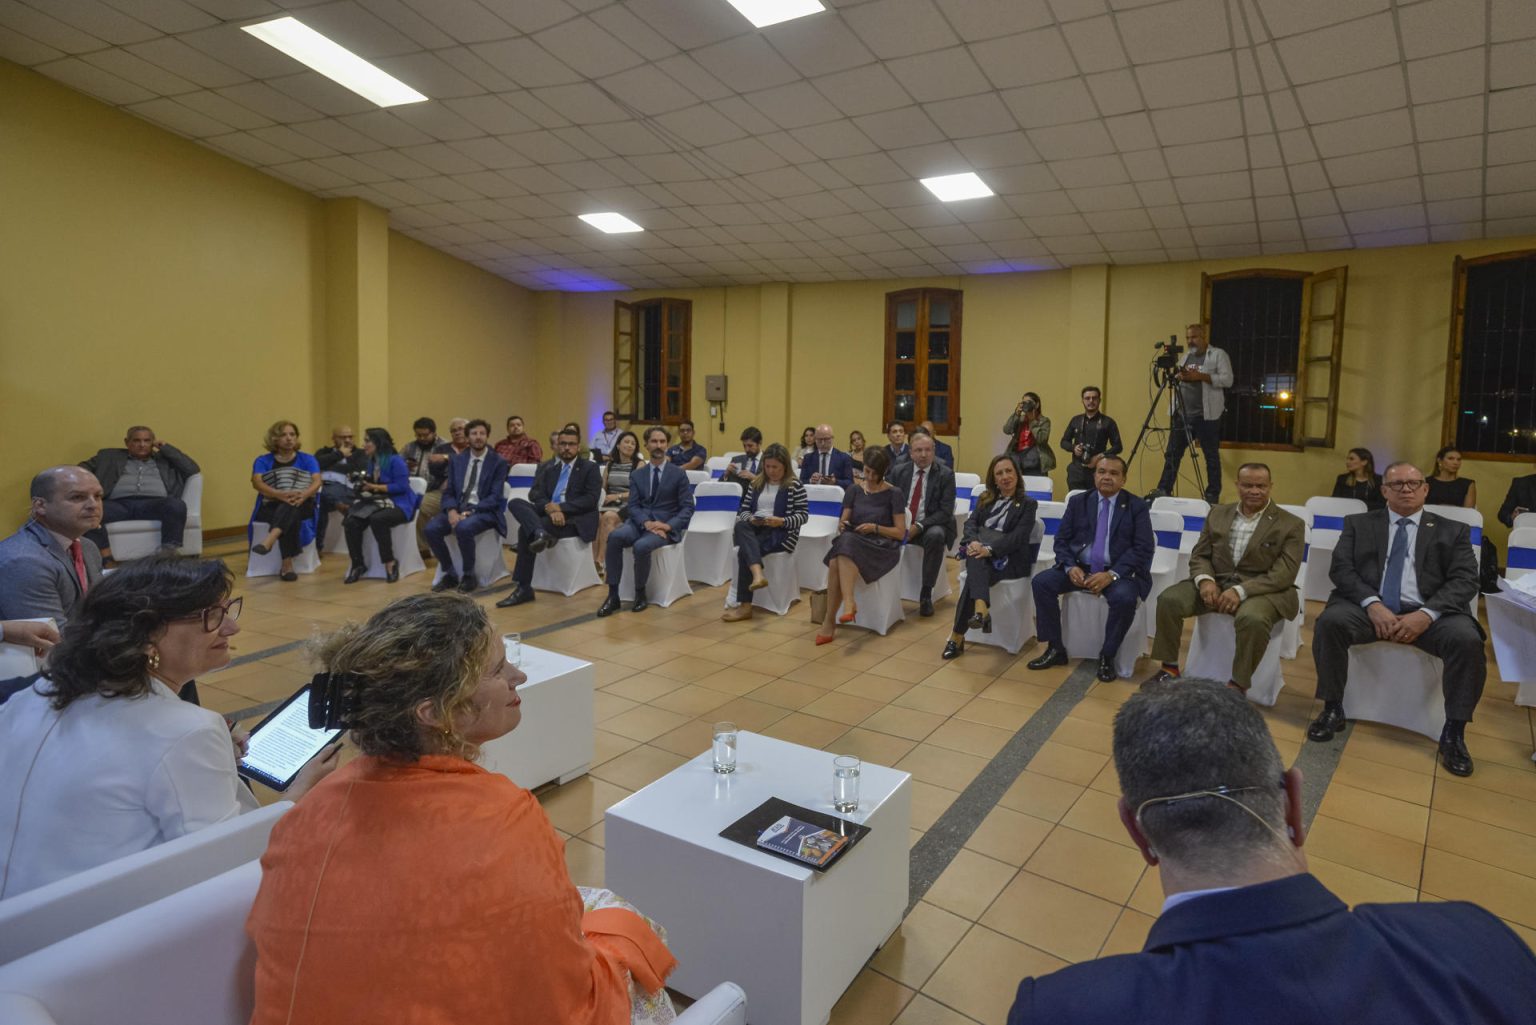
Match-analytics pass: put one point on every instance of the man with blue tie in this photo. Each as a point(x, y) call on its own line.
point(660, 506)
point(561, 503)
point(1104, 546)
point(825, 464)
point(471, 506)
point(1247, 934)
point(1408, 576)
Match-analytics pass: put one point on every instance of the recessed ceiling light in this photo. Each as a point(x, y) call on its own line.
point(612, 223)
point(334, 61)
point(952, 187)
point(763, 13)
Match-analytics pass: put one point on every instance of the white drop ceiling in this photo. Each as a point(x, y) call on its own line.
point(1112, 131)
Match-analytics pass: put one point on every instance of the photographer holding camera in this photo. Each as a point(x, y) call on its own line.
point(1089, 435)
point(1029, 435)
point(1203, 377)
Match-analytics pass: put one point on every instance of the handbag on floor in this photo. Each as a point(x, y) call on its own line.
point(818, 605)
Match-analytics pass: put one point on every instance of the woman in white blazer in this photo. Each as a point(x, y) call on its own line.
point(100, 758)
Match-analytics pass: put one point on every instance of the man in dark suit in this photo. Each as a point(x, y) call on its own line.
point(47, 566)
point(472, 505)
point(1404, 575)
point(746, 464)
point(929, 489)
point(1244, 565)
point(1520, 499)
point(660, 506)
point(1246, 933)
point(826, 464)
point(1104, 546)
point(942, 452)
point(562, 503)
point(143, 480)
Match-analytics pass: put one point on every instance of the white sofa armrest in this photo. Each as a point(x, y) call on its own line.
point(726, 1004)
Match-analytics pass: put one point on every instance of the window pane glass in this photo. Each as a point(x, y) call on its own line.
point(1497, 407)
point(906, 345)
point(1257, 321)
point(905, 407)
point(938, 377)
point(906, 377)
point(906, 315)
point(674, 404)
point(938, 408)
point(677, 318)
point(938, 313)
point(674, 378)
point(938, 345)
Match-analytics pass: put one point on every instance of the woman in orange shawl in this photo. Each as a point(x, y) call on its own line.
point(414, 886)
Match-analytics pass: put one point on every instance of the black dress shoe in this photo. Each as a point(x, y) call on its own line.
point(952, 649)
point(1455, 757)
point(355, 574)
point(978, 621)
point(609, 606)
point(1053, 657)
point(986, 623)
point(288, 577)
point(540, 542)
point(392, 574)
point(1107, 672)
point(1161, 676)
point(469, 584)
point(925, 607)
point(260, 549)
point(448, 583)
point(520, 596)
point(1326, 725)
point(640, 604)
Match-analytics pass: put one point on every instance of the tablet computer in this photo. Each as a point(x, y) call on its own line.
point(282, 743)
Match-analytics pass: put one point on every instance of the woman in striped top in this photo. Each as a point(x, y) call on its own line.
point(622, 461)
point(286, 481)
point(773, 509)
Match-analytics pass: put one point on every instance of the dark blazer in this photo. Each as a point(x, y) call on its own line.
point(37, 577)
point(943, 453)
point(1369, 493)
point(672, 503)
point(582, 493)
point(939, 495)
point(738, 470)
point(1522, 495)
point(898, 455)
point(1442, 561)
point(1011, 541)
point(1289, 952)
point(839, 465)
point(174, 465)
point(493, 474)
point(1131, 541)
point(1270, 562)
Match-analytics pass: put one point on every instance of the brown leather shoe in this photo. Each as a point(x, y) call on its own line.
point(737, 614)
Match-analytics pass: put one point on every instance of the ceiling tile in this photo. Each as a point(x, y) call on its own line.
point(1441, 26)
point(492, 114)
point(624, 24)
point(1026, 58)
point(1227, 211)
point(102, 21)
point(1052, 103)
point(191, 64)
point(220, 109)
point(1207, 157)
point(998, 150)
point(437, 121)
point(1398, 192)
point(899, 28)
point(1095, 44)
point(1454, 185)
point(90, 79)
point(179, 118)
point(1099, 198)
point(1512, 64)
point(746, 63)
point(1362, 168)
point(1214, 187)
point(18, 49)
point(1359, 134)
point(1030, 181)
point(986, 19)
point(939, 75)
point(1369, 92)
point(1088, 172)
point(393, 162)
point(894, 128)
point(1451, 155)
point(1174, 30)
point(1145, 165)
point(971, 116)
point(1513, 19)
point(1132, 132)
point(320, 93)
point(464, 20)
point(647, 90)
point(1512, 108)
point(1512, 147)
point(1447, 77)
point(1199, 122)
point(49, 31)
point(1353, 46)
point(140, 72)
point(835, 139)
point(525, 62)
point(818, 46)
point(587, 47)
point(865, 90)
point(357, 29)
point(1065, 142)
point(1115, 92)
point(869, 169)
point(1182, 82)
point(1290, 17)
point(168, 16)
point(380, 125)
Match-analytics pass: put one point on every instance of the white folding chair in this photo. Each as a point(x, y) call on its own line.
point(566, 567)
point(1041, 489)
point(715, 466)
point(967, 487)
point(826, 508)
point(139, 539)
point(1168, 529)
point(1472, 518)
point(519, 484)
point(1083, 616)
point(1290, 639)
point(1193, 512)
point(1512, 628)
point(1048, 515)
point(403, 537)
point(708, 542)
point(335, 537)
point(783, 588)
point(879, 603)
point(1074, 491)
point(669, 576)
point(1525, 519)
point(910, 572)
point(1521, 557)
point(490, 563)
point(1214, 645)
point(271, 564)
point(1327, 524)
point(697, 477)
point(1396, 684)
point(1012, 607)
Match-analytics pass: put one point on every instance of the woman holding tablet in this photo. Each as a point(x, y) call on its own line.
point(415, 879)
point(100, 759)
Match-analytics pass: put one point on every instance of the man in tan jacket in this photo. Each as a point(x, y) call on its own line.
point(1244, 565)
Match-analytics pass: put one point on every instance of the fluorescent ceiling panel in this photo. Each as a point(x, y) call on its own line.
point(612, 223)
point(953, 187)
point(334, 61)
point(763, 13)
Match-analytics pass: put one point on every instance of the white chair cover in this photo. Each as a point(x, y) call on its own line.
point(1396, 684)
point(826, 508)
point(1012, 608)
point(403, 537)
point(708, 543)
point(1213, 647)
point(783, 588)
point(669, 577)
point(566, 568)
point(138, 539)
point(1083, 616)
point(1327, 524)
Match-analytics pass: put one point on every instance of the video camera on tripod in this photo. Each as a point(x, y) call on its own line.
point(1168, 353)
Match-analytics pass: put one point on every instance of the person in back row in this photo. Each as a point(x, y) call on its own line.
point(1089, 435)
point(748, 463)
point(561, 503)
point(472, 504)
point(427, 457)
point(519, 446)
point(659, 510)
point(687, 454)
point(824, 464)
point(143, 480)
point(1246, 933)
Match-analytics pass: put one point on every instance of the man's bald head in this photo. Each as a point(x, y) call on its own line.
point(67, 500)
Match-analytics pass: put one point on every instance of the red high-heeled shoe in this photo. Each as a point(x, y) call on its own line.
point(823, 639)
point(848, 617)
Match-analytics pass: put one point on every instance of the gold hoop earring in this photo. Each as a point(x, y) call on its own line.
point(154, 659)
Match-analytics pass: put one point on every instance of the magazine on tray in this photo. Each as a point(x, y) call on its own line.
point(808, 837)
point(803, 841)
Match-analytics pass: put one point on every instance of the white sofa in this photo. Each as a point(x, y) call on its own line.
point(139, 539)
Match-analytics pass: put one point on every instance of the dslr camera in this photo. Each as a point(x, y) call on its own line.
point(1168, 353)
point(358, 478)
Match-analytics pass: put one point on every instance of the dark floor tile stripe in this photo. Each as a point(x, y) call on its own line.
point(1317, 763)
point(939, 845)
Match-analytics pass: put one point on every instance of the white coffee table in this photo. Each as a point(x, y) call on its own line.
point(554, 741)
point(792, 938)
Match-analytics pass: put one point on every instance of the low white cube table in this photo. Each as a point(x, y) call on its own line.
point(554, 741)
point(792, 938)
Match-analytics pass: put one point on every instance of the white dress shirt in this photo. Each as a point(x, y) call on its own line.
point(1410, 592)
point(105, 778)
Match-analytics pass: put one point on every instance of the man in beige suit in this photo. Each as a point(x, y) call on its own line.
point(1243, 566)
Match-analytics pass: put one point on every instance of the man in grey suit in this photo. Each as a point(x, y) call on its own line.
point(143, 480)
point(1404, 575)
point(47, 566)
point(928, 490)
point(660, 508)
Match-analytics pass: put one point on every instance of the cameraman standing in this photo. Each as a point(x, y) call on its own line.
point(1029, 436)
point(1203, 377)
point(1089, 435)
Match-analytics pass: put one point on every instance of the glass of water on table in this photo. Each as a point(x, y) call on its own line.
point(513, 643)
point(845, 783)
point(724, 748)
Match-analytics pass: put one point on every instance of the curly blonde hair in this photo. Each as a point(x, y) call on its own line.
point(426, 647)
point(270, 441)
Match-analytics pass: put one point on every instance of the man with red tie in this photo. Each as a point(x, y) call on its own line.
point(929, 487)
point(47, 566)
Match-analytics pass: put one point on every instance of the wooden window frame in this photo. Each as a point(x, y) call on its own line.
point(923, 296)
point(627, 382)
point(1453, 358)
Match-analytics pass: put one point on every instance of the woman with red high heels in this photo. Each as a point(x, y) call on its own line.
point(868, 544)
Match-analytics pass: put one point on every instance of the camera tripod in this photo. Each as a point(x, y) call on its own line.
point(1164, 372)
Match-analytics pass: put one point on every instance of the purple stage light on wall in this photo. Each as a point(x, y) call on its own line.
point(576, 281)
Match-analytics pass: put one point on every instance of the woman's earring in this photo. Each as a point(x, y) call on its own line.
point(154, 659)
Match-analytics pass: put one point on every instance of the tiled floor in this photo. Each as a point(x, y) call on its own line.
point(1049, 877)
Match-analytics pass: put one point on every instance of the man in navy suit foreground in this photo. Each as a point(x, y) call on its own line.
point(660, 506)
point(1246, 933)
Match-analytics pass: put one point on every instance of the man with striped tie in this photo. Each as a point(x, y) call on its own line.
point(1404, 575)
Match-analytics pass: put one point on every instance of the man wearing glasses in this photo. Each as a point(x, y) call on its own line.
point(1407, 576)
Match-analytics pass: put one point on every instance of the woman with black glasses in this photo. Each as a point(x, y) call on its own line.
point(100, 759)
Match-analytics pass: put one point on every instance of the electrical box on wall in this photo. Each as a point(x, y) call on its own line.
point(714, 388)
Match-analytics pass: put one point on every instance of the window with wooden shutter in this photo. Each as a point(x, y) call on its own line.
point(922, 357)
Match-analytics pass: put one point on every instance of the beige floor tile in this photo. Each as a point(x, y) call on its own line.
point(220, 700)
point(643, 687)
point(876, 688)
point(605, 706)
point(1356, 887)
point(1029, 693)
point(1368, 850)
point(609, 745)
point(1387, 780)
point(638, 767)
point(931, 699)
point(585, 862)
point(906, 670)
point(929, 802)
point(980, 978)
point(1096, 709)
point(1001, 714)
point(1072, 764)
point(1505, 893)
point(596, 835)
point(922, 943)
point(807, 730)
point(970, 738)
point(873, 999)
point(845, 708)
point(786, 694)
point(735, 680)
point(907, 723)
point(1492, 845)
point(1383, 814)
point(690, 739)
point(822, 675)
point(873, 747)
point(748, 714)
point(1108, 780)
point(1085, 735)
point(855, 654)
point(643, 722)
point(1129, 935)
point(1412, 754)
point(943, 768)
point(1098, 814)
point(927, 1011)
point(1501, 779)
point(1041, 796)
point(1052, 917)
point(684, 668)
point(691, 699)
point(1488, 806)
point(1148, 895)
point(954, 678)
point(969, 884)
point(1100, 867)
point(1008, 836)
point(580, 804)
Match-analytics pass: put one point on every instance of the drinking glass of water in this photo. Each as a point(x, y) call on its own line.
point(845, 783)
point(725, 747)
point(514, 645)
